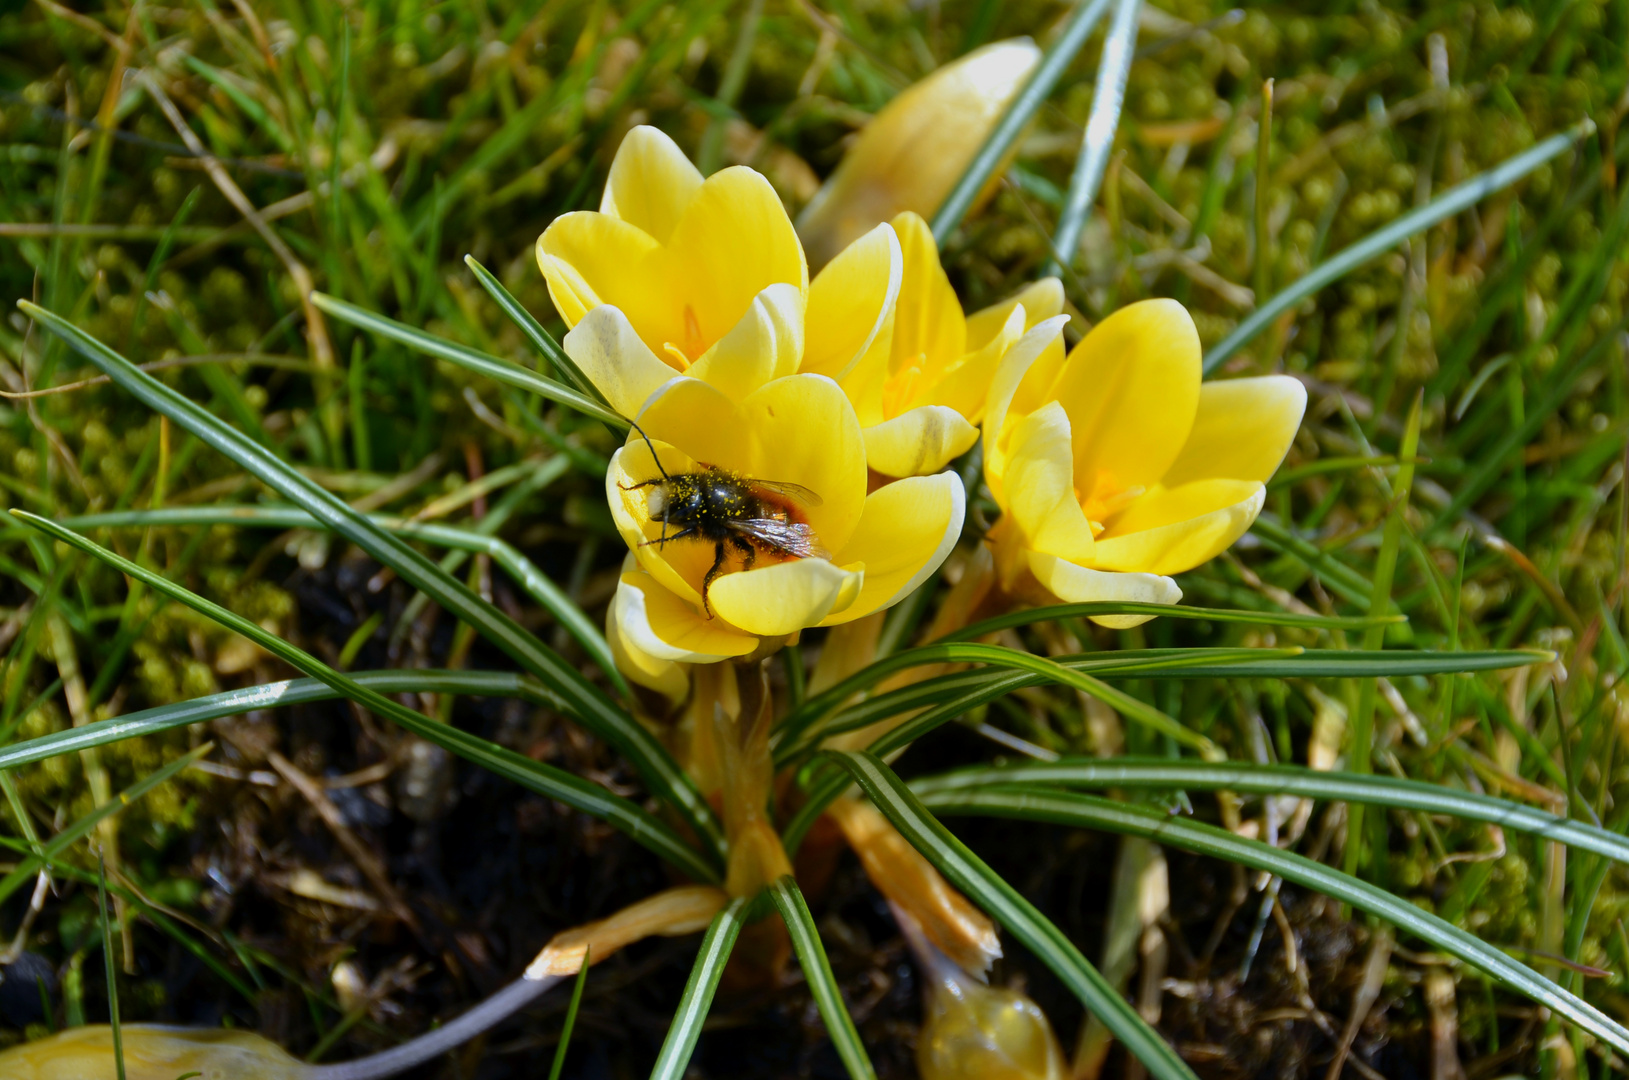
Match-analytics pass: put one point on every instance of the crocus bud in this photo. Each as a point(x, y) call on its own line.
point(971, 1031)
point(912, 152)
point(150, 1053)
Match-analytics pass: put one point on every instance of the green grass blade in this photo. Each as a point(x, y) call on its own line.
point(541, 339)
point(492, 367)
point(76, 831)
point(571, 1016)
point(110, 967)
point(685, 1029)
point(1382, 240)
point(580, 794)
point(1003, 903)
point(1393, 793)
point(64, 869)
point(268, 696)
point(1107, 99)
point(1086, 811)
point(584, 701)
point(1017, 117)
point(524, 572)
point(817, 971)
point(1222, 615)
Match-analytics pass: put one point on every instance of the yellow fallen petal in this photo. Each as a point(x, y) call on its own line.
point(804, 432)
point(913, 151)
point(1074, 584)
point(965, 387)
point(1242, 430)
point(1131, 388)
point(151, 1052)
point(776, 600)
point(686, 909)
point(651, 183)
point(733, 242)
point(1040, 487)
point(1014, 366)
point(1039, 299)
point(658, 624)
point(765, 344)
point(907, 531)
point(593, 259)
point(851, 303)
point(918, 442)
point(929, 329)
point(1170, 530)
point(612, 356)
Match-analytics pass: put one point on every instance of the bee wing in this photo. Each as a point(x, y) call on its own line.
point(791, 491)
point(790, 537)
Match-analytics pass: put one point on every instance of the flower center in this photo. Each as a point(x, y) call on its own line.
point(1104, 499)
point(693, 346)
point(899, 388)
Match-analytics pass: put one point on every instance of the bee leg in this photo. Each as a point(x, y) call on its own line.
point(748, 552)
point(682, 535)
point(707, 582)
point(641, 484)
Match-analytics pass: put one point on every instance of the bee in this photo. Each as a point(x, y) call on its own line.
point(735, 512)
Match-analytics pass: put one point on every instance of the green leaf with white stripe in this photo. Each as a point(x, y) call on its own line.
point(822, 982)
point(584, 701)
point(685, 1029)
point(1090, 812)
point(1003, 903)
point(643, 827)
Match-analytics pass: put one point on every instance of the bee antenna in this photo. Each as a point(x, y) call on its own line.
point(653, 455)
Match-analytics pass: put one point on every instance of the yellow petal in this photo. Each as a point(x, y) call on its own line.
point(1081, 585)
point(733, 242)
point(908, 530)
point(651, 183)
point(1170, 530)
point(917, 147)
point(1025, 351)
point(765, 344)
point(1039, 299)
point(666, 677)
point(658, 624)
point(851, 302)
point(797, 430)
point(593, 259)
point(616, 361)
point(1131, 388)
point(929, 329)
point(1242, 430)
point(680, 566)
point(805, 432)
point(1040, 488)
point(966, 386)
point(784, 598)
point(921, 441)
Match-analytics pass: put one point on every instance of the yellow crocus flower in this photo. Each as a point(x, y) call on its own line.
point(920, 392)
point(913, 151)
point(797, 435)
point(691, 310)
point(1118, 467)
point(676, 275)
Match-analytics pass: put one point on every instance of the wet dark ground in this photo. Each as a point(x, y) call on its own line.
point(490, 872)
